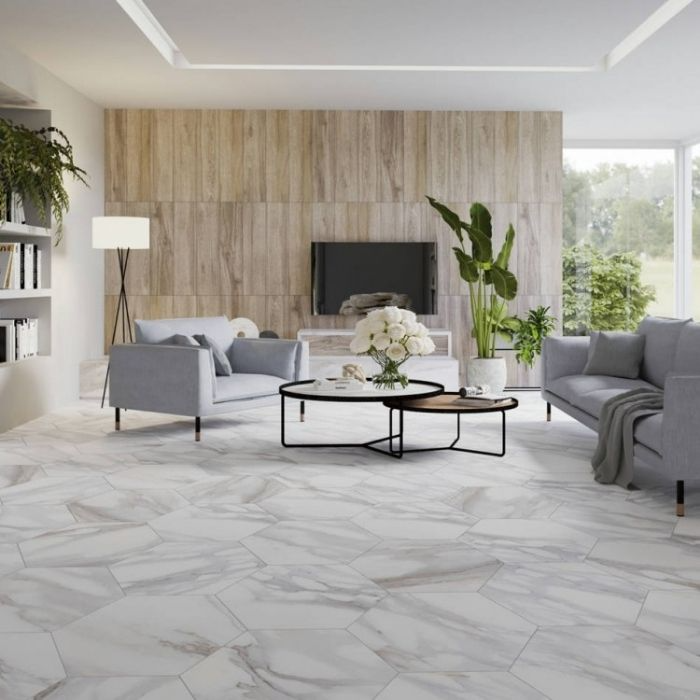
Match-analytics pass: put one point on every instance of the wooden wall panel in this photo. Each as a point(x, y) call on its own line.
point(186, 136)
point(115, 155)
point(138, 156)
point(236, 197)
point(162, 155)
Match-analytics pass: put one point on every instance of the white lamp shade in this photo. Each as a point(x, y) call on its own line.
point(120, 232)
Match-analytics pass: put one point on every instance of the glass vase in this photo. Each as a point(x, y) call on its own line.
point(389, 376)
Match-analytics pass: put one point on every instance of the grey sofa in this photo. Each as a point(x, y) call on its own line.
point(669, 441)
point(153, 375)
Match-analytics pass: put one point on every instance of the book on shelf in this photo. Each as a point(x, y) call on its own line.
point(19, 339)
point(20, 266)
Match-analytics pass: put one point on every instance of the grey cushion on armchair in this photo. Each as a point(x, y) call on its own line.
point(273, 357)
point(216, 327)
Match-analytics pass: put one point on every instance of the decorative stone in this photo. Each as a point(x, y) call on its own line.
point(359, 304)
point(354, 372)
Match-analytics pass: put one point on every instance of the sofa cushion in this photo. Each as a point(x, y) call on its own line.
point(687, 360)
point(216, 327)
point(186, 341)
point(222, 367)
point(246, 386)
point(615, 354)
point(264, 356)
point(578, 390)
point(647, 430)
point(662, 336)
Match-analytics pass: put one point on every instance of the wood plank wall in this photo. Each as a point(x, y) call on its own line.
point(236, 197)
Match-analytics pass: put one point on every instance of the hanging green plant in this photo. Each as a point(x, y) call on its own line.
point(32, 165)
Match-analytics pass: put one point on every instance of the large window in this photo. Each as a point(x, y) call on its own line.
point(618, 237)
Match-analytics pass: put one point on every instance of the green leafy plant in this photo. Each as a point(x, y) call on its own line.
point(491, 284)
point(527, 334)
point(32, 165)
point(603, 292)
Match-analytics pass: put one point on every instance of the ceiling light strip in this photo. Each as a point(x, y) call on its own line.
point(664, 14)
point(144, 19)
point(152, 29)
point(389, 68)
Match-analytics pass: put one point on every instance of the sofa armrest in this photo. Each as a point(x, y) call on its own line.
point(162, 378)
point(563, 356)
point(679, 433)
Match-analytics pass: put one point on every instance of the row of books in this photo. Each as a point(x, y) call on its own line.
point(20, 266)
point(19, 338)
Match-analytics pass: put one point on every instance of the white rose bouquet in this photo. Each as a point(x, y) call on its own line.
point(390, 336)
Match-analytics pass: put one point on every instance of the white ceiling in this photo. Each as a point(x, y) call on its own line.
point(654, 93)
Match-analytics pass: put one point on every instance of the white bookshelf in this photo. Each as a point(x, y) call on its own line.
point(24, 293)
point(11, 230)
point(29, 303)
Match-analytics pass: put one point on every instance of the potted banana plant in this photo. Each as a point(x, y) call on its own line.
point(491, 287)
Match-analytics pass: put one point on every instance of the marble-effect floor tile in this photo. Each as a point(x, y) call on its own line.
point(298, 597)
point(146, 635)
point(581, 662)
point(360, 577)
point(273, 665)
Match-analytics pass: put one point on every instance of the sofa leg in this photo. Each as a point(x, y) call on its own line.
point(549, 412)
point(680, 498)
point(302, 411)
point(117, 420)
point(197, 429)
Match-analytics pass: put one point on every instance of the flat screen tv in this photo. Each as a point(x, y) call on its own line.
point(354, 278)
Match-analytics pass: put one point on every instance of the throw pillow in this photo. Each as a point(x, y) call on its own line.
point(179, 339)
point(615, 354)
point(222, 366)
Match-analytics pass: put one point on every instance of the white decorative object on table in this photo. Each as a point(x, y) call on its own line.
point(244, 328)
point(353, 371)
point(390, 336)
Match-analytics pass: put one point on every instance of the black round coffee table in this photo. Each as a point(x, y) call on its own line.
point(446, 403)
point(304, 391)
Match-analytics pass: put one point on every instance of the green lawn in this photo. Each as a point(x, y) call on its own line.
point(659, 274)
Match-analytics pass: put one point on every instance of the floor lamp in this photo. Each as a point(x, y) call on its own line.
point(120, 233)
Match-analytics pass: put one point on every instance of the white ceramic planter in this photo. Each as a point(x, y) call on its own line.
point(490, 371)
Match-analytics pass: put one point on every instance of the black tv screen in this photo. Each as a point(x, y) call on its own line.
point(353, 278)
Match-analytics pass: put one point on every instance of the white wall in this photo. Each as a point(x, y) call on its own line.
point(30, 389)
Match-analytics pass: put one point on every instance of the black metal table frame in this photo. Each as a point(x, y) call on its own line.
point(452, 445)
point(370, 444)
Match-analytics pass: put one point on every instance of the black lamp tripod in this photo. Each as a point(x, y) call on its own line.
point(122, 312)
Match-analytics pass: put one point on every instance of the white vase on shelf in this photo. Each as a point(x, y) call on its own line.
point(490, 371)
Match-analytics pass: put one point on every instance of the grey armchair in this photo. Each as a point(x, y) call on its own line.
point(153, 374)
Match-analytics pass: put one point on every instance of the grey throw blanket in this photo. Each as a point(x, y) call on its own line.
point(613, 461)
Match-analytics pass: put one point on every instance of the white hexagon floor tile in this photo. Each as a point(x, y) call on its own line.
point(675, 616)
point(443, 632)
point(312, 542)
point(29, 664)
point(583, 662)
point(146, 635)
point(273, 665)
point(121, 688)
point(484, 685)
point(185, 568)
point(299, 597)
point(427, 566)
point(565, 593)
point(34, 600)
